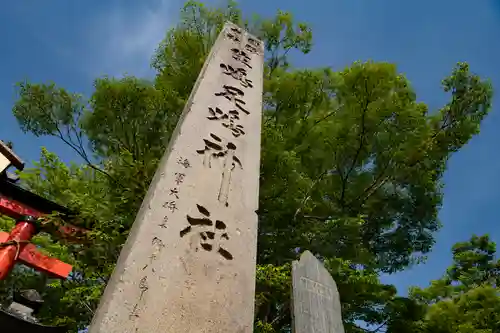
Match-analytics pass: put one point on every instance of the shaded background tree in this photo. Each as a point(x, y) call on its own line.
point(465, 300)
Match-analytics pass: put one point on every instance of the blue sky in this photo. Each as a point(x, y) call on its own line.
point(73, 42)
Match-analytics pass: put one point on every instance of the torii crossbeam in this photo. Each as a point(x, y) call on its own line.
point(27, 208)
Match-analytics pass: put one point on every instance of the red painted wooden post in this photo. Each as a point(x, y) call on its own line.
point(20, 236)
point(27, 207)
point(25, 252)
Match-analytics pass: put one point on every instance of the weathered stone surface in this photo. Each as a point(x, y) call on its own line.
point(189, 262)
point(315, 298)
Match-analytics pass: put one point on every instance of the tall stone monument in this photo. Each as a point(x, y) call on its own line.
point(315, 298)
point(189, 262)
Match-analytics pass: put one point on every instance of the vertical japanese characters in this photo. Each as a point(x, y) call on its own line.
point(192, 251)
point(219, 150)
point(157, 243)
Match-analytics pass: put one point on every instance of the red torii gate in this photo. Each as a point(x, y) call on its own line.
point(27, 208)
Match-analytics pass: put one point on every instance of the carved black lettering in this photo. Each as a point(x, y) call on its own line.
point(163, 223)
point(143, 287)
point(179, 178)
point(229, 120)
point(241, 56)
point(157, 248)
point(251, 49)
point(211, 234)
point(234, 95)
point(253, 41)
point(225, 152)
point(175, 192)
point(239, 74)
point(171, 205)
point(234, 34)
point(184, 162)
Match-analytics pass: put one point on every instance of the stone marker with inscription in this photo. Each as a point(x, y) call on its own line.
point(189, 262)
point(315, 298)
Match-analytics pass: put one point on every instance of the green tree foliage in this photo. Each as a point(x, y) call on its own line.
point(351, 164)
point(465, 300)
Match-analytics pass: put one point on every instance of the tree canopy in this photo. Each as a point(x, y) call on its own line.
point(465, 300)
point(351, 169)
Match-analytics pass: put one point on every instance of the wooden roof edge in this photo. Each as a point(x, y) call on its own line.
point(11, 156)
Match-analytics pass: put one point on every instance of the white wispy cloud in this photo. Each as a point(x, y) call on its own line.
point(122, 39)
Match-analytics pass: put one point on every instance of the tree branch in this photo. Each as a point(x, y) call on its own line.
point(376, 329)
point(307, 196)
point(374, 186)
point(356, 155)
point(83, 155)
point(320, 218)
point(280, 106)
point(322, 119)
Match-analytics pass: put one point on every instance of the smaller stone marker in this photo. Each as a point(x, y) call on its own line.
point(315, 298)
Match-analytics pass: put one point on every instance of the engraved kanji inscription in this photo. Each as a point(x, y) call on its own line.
point(253, 41)
point(163, 223)
point(158, 245)
point(316, 288)
point(184, 162)
point(251, 49)
point(211, 232)
point(234, 34)
point(229, 120)
point(179, 177)
point(234, 95)
point(217, 149)
point(143, 287)
point(239, 74)
point(241, 56)
point(170, 205)
point(175, 192)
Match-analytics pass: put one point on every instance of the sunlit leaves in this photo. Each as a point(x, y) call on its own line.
point(46, 109)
